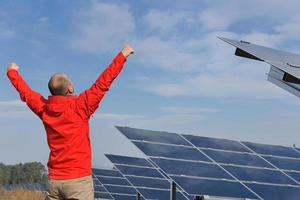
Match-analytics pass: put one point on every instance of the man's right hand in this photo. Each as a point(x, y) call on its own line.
point(13, 66)
point(127, 50)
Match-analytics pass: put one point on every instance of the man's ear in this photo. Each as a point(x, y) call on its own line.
point(70, 89)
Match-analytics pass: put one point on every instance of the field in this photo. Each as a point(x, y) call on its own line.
point(20, 194)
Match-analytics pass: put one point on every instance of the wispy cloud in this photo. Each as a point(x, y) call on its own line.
point(189, 110)
point(102, 27)
point(172, 118)
point(14, 109)
point(116, 117)
point(203, 65)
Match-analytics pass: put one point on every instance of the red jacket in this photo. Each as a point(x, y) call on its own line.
point(66, 120)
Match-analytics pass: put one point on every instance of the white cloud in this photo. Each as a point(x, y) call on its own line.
point(115, 117)
point(172, 118)
point(220, 86)
point(264, 39)
point(12, 103)
point(103, 27)
point(188, 110)
point(14, 109)
point(289, 29)
point(215, 19)
point(167, 22)
point(202, 64)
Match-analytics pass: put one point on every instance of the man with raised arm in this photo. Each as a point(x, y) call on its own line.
point(66, 121)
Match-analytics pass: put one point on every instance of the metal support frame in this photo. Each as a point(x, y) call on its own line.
point(138, 196)
point(198, 198)
point(173, 191)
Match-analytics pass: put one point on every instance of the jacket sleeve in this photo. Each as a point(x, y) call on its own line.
point(88, 101)
point(35, 101)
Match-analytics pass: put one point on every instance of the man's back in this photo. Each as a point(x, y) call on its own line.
point(68, 138)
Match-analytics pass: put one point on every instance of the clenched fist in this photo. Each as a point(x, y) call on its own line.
point(127, 50)
point(13, 66)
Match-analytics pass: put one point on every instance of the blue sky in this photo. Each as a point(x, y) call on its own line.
point(181, 78)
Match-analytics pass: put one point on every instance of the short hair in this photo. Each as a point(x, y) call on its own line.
point(58, 84)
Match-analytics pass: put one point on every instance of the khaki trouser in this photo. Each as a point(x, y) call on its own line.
point(71, 189)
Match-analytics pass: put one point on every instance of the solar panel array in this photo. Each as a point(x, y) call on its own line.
point(100, 191)
point(217, 167)
point(111, 184)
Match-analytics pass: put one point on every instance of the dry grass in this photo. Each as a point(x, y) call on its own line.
point(20, 194)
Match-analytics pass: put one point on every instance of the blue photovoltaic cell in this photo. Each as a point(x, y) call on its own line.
point(113, 181)
point(273, 192)
point(153, 136)
point(139, 171)
point(99, 188)
point(149, 182)
point(96, 181)
point(102, 195)
point(124, 197)
point(294, 175)
point(223, 144)
point(259, 175)
point(120, 189)
point(106, 172)
point(197, 186)
point(244, 159)
point(191, 168)
point(274, 150)
point(128, 160)
point(284, 163)
point(168, 151)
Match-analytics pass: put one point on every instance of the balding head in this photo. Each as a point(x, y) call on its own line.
point(60, 84)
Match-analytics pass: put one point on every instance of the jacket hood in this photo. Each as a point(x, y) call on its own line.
point(58, 104)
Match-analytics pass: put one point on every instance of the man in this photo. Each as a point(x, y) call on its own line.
point(66, 121)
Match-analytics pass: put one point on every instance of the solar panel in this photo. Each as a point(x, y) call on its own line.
point(214, 143)
point(259, 175)
point(99, 190)
point(221, 167)
point(274, 150)
point(222, 188)
point(284, 163)
point(170, 151)
point(274, 192)
point(112, 185)
point(294, 175)
point(148, 180)
point(191, 168)
point(152, 136)
point(237, 158)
